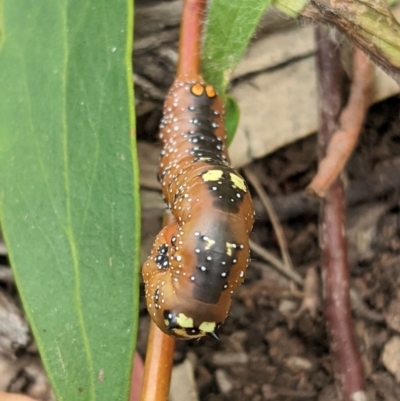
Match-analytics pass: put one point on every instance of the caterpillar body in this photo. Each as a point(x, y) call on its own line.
point(197, 261)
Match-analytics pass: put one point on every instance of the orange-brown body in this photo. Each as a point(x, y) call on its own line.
point(198, 261)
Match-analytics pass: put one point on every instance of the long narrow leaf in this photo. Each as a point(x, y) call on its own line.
point(68, 186)
point(228, 30)
point(229, 27)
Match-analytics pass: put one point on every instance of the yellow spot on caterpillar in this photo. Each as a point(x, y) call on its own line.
point(210, 243)
point(229, 247)
point(197, 89)
point(181, 333)
point(238, 182)
point(184, 321)
point(210, 91)
point(207, 327)
point(212, 175)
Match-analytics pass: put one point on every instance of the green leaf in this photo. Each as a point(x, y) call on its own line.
point(232, 115)
point(229, 27)
point(69, 202)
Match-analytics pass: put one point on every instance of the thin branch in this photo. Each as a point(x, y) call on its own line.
point(251, 177)
point(136, 378)
point(159, 357)
point(276, 263)
point(160, 347)
point(312, 298)
point(344, 140)
point(158, 365)
point(346, 357)
point(189, 44)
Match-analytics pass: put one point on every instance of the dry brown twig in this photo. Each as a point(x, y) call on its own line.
point(287, 266)
point(276, 263)
point(351, 120)
point(311, 302)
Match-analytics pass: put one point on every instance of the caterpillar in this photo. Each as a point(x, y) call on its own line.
point(197, 261)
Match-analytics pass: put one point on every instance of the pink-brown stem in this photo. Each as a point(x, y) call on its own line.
point(160, 347)
point(346, 358)
point(158, 365)
point(136, 378)
point(189, 41)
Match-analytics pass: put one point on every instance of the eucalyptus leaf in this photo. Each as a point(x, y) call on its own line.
point(228, 30)
point(69, 202)
point(232, 115)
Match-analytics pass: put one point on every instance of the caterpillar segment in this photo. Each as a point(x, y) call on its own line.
point(197, 262)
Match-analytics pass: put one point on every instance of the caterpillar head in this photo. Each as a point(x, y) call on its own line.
point(173, 300)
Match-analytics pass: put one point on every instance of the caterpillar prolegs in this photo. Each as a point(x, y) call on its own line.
point(197, 262)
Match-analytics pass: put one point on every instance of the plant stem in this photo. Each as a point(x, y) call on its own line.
point(160, 347)
point(189, 44)
point(158, 365)
point(346, 357)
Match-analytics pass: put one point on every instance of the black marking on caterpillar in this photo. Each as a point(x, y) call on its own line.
point(227, 196)
point(162, 259)
point(213, 262)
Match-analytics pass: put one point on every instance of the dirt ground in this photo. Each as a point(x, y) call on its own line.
point(274, 346)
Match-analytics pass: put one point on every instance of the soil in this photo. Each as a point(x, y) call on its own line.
point(274, 345)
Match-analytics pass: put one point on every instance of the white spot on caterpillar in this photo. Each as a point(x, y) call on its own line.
point(229, 247)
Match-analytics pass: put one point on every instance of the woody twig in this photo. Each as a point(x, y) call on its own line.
point(160, 347)
point(346, 358)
